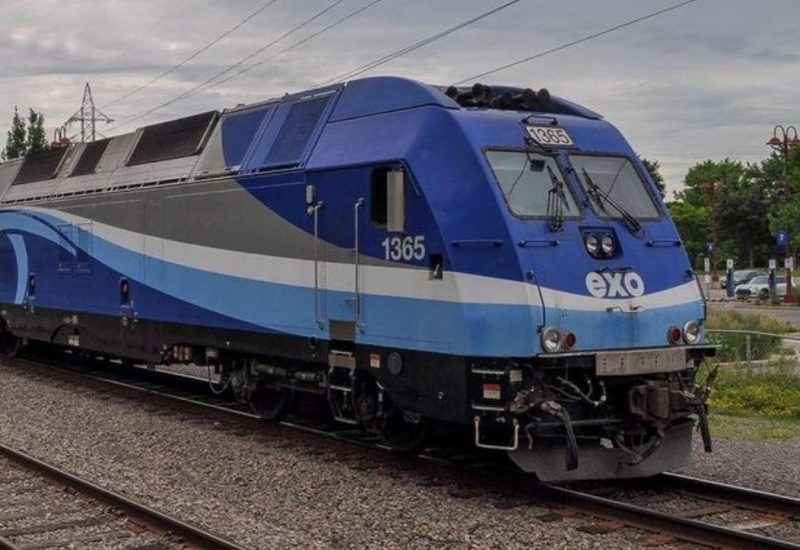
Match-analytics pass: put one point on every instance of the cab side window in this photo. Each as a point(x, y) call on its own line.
point(387, 198)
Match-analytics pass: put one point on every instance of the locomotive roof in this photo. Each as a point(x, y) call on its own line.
point(189, 148)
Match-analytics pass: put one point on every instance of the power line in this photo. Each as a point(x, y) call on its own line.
point(194, 90)
point(293, 46)
point(576, 42)
point(424, 42)
point(202, 50)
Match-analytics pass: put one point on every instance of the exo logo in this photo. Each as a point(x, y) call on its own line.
point(615, 285)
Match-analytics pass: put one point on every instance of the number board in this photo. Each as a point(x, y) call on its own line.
point(550, 136)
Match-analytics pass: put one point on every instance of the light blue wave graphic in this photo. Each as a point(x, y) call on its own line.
point(21, 255)
point(425, 325)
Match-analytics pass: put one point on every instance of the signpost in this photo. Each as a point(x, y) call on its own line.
point(782, 239)
point(773, 276)
point(711, 248)
point(729, 277)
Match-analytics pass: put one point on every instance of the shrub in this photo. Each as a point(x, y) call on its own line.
point(733, 320)
point(771, 392)
point(734, 345)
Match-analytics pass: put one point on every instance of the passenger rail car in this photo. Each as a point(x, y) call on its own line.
point(491, 258)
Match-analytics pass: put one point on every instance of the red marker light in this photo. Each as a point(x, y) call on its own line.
point(675, 335)
point(570, 340)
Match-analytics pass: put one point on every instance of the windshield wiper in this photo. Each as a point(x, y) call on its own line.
point(598, 196)
point(556, 202)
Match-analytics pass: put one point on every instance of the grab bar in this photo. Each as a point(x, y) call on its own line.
point(631, 309)
point(356, 210)
point(317, 316)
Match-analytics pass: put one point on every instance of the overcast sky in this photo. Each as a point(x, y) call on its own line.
point(709, 80)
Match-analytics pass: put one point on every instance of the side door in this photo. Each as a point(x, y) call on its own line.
point(358, 223)
point(339, 209)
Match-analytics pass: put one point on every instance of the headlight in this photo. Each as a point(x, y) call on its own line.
point(592, 244)
point(608, 245)
point(551, 340)
point(692, 332)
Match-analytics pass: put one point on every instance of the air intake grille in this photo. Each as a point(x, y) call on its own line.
point(173, 139)
point(238, 131)
point(296, 132)
point(40, 167)
point(90, 157)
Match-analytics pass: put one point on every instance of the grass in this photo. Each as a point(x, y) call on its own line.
point(734, 320)
point(735, 345)
point(754, 403)
point(762, 391)
point(752, 428)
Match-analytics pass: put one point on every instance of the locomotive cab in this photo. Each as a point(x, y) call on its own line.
point(609, 387)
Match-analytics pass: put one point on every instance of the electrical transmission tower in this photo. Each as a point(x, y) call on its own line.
point(88, 116)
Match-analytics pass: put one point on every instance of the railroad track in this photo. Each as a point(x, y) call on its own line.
point(762, 516)
point(46, 507)
point(701, 511)
point(196, 392)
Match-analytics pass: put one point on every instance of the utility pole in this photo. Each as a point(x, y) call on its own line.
point(88, 116)
point(782, 140)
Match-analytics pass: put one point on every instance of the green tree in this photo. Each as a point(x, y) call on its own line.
point(785, 213)
point(692, 223)
point(37, 141)
point(737, 201)
point(744, 207)
point(698, 188)
point(653, 168)
point(16, 145)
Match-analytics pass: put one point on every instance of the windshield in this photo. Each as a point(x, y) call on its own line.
point(617, 178)
point(525, 189)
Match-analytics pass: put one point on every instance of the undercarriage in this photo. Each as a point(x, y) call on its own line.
point(594, 416)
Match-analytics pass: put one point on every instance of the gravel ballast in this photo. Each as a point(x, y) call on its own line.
point(771, 466)
point(271, 487)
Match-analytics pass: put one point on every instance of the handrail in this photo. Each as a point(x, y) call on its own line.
point(785, 336)
point(317, 316)
point(631, 309)
point(538, 242)
point(356, 209)
point(663, 242)
point(477, 243)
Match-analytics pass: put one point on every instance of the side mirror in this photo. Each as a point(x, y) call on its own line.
point(395, 201)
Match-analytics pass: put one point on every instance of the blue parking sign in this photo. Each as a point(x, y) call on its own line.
point(782, 238)
point(711, 248)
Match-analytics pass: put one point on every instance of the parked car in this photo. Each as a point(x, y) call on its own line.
point(758, 287)
point(742, 276)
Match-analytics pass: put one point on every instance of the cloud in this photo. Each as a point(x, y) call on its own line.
point(707, 81)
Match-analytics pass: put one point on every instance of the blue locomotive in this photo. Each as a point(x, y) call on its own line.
point(489, 258)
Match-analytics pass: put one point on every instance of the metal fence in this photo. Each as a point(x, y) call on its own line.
point(755, 348)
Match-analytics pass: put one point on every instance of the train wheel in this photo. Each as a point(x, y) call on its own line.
point(269, 403)
point(9, 344)
point(403, 432)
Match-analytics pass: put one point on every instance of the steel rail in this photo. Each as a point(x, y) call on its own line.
point(634, 515)
point(743, 497)
point(694, 530)
point(6, 544)
point(143, 514)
